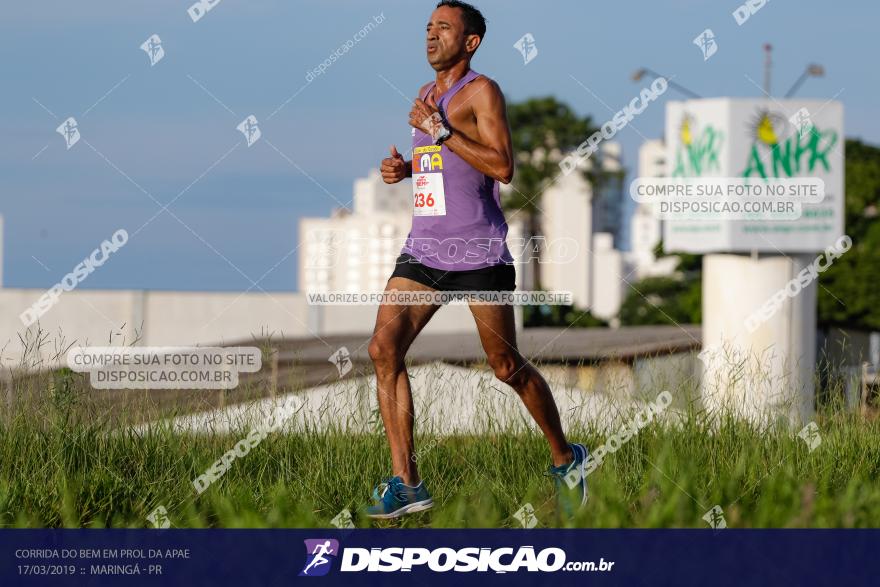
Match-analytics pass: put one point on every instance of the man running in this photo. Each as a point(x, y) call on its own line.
point(461, 150)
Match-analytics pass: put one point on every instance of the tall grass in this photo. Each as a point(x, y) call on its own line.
point(61, 466)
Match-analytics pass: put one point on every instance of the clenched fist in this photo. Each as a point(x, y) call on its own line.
point(425, 116)
point(394, 168)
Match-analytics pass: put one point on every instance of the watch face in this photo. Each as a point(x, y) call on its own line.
point(442, 135)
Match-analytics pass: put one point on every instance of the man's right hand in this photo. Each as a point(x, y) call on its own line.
point(394, 168)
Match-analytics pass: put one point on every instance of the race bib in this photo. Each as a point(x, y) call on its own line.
point(429, 197)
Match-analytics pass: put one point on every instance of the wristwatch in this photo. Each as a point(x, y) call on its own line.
point(442, 134)
point(441, 129)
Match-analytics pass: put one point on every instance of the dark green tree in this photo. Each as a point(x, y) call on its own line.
point(850, 289)
point(676, 299)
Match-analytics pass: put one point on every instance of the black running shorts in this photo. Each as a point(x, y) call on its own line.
point(496, 278)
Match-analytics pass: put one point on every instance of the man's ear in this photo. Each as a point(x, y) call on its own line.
point(472, 43)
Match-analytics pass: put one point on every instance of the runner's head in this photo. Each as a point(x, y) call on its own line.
point(455, 31)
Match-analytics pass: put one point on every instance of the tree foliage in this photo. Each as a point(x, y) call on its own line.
point(543, 131)
point(675, 299)
point(849, 292)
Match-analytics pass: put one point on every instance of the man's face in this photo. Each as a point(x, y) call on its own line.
point(446, 41)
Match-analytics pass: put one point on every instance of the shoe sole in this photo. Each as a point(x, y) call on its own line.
point(412, 508)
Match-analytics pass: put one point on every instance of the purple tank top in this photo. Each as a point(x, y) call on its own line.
point(457, 221)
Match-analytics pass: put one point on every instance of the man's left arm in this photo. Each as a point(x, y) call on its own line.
point(493, 154)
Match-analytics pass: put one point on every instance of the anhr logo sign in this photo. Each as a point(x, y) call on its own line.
point(780, 149)
point(699, 149)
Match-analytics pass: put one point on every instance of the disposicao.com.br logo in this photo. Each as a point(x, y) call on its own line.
point(320, 553)
point(441, 560)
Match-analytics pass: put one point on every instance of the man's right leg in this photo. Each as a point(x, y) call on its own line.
point(396, 328)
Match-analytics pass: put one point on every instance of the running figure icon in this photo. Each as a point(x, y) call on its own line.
point(319, 559)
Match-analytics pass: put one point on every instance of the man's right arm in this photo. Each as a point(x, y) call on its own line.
point(391, 169)
point(394, 168)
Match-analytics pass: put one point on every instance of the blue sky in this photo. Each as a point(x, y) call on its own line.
point(150, 132)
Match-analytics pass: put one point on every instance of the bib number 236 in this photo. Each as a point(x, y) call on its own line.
point(429, 198)
point(423, 200)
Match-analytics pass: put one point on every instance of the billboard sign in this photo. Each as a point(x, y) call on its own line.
point(758, 140)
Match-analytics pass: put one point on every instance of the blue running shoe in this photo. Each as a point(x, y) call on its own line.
point(571, 481)
point(394, 499)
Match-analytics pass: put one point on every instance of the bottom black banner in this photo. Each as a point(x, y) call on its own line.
point(438, 557)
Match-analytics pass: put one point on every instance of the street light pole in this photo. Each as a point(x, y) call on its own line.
point(812, 70)
point(642, 72)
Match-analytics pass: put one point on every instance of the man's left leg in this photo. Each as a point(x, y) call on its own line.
point(497, 329)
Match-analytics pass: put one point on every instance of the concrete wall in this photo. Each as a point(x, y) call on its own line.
point(172, 318)
point(95, 317)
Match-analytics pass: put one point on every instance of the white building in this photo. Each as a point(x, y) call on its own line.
point(609, 278)
point(372, 195)
point(355, 251)
point(573, 211)
point(567, 214)
point(646, 230)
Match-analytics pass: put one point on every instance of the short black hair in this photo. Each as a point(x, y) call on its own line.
point(474, 21)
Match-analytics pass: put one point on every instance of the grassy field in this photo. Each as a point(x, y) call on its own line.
point(60, 469)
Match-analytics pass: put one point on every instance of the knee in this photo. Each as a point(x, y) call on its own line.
point(508, 367)
point(384, 353)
